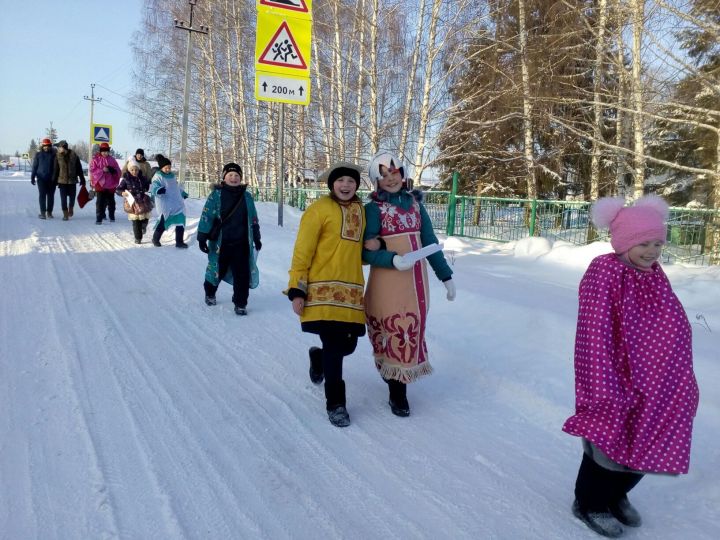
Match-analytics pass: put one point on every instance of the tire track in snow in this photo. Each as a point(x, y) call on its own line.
point(114, 462)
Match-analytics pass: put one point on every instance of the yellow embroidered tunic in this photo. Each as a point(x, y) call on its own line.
point(327, 261)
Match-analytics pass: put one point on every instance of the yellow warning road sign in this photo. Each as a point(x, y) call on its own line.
point(302, 9)
point(282, 45)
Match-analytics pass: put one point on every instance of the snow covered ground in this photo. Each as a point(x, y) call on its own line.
point(129, 409)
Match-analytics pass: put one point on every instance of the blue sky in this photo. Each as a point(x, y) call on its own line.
point(50, 53)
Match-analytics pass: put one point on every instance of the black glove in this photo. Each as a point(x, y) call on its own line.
point(111, 170)
point(202, 242)
point(258, 245)
point(32, 181)
point(184, 195)
point(161, 191)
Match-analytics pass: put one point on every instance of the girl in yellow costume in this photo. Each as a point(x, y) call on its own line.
point(326, 282)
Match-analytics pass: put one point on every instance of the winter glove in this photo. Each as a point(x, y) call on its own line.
point(111, 170)
point(400, 264)
point(160, 191)
point(450, 286)
point(184, 195)
point(32, 181)
point(202, 242)
point(258, 245)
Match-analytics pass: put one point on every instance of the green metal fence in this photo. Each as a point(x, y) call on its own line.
point(690, 232)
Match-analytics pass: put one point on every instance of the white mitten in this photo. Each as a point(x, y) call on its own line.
point(400, 264)
point(450, 286)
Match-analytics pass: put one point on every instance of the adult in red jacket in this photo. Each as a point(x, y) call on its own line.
point(104, 178)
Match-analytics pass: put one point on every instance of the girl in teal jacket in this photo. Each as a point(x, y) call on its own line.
point(232, 254)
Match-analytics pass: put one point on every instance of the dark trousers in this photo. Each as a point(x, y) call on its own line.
point(236, 258)
point(596, 488)
point(67, 195)
point(335, 347)
point(46, 191)
point(139, 226)
point(160, 229)
point(104, 200)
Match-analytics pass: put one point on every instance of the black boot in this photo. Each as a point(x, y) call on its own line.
point(603, 523)
point(398, 398)
point(625, 513)
point(137, 231)
point(335, 404)
point(156, 237)
point(316, 369)
point(210, 291)
point(179, 233)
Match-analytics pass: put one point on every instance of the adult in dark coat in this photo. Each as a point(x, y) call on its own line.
point(66, 173)
point(42, 174)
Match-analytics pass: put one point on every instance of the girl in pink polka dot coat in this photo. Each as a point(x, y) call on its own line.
point(635, 390)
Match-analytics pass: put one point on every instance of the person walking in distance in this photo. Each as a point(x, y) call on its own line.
point(67, 173)
point(170, 199)
point(42, 173)
point(104, 177)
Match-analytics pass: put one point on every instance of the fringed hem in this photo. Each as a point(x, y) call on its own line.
point(403, 374)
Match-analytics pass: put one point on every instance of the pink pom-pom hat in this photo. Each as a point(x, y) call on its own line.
point(631, 225)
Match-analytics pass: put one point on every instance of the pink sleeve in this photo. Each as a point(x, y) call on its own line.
point(96, 169)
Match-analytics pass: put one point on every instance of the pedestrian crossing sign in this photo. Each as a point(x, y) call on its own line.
point(282, 45)
point(101, 133)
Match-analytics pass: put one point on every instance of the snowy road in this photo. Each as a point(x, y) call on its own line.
point(132, 410)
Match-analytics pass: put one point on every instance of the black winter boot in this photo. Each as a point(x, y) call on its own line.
point(316, 367)
point(210, 291)
point(625, 513)
point(137, 231)
point(179, 233)
point(603, 523)
point(156, 237)
point(398, 398)
point(335, 404)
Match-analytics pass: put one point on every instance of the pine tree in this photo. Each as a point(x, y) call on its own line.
point(51, 133)
point(32, 149)
point(485, 138)
point(695, 99)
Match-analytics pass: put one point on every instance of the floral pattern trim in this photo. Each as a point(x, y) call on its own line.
point(398, 338)
point(395, 220)
point(335, 293)
point(352, 221)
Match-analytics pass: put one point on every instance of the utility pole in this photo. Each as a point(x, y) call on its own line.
point(92, 101)
point(186, 99)
point(172, 125)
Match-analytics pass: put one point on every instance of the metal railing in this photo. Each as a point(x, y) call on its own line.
point(691, 232)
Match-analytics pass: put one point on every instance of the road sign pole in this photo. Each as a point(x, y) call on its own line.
point(281, 181)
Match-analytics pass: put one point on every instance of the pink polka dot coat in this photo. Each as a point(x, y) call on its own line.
point(635, 390)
